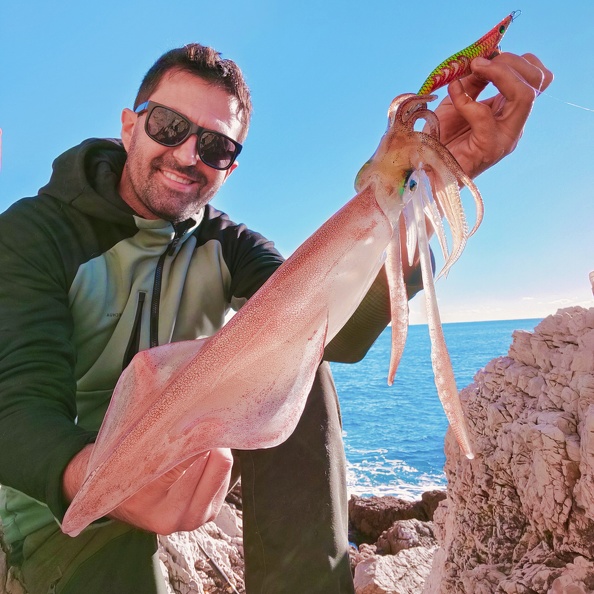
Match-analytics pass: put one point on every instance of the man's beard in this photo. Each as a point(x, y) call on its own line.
point(166, 203)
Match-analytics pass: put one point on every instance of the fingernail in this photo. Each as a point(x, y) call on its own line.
point(481, 62)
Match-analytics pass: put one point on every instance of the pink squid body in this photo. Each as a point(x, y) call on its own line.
point(246, 386)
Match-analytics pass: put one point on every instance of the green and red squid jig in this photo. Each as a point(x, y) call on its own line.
point(458, 64)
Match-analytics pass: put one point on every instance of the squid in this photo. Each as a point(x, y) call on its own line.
point(246, 386)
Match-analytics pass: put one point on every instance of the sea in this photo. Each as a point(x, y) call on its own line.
point(394, 435)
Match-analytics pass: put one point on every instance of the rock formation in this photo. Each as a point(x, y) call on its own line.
point(207, 560)
point(519, 518)
point(400, 560)
point(370, 516)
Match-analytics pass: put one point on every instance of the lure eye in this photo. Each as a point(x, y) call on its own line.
point(502, 29)
point(412, 185)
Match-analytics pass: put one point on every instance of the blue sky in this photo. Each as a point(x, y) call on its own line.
point(322, 75)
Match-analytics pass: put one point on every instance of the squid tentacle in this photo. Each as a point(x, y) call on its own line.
point(442, 366)
point(434, 217)
point(450, 164)
point(449, 197)
point(398, 301)
point(436, 173)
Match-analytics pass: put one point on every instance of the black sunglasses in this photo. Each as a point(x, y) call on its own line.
point(171, 128)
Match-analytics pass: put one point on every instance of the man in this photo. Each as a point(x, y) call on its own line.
point(122, 251)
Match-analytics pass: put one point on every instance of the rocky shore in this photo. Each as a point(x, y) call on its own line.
point(395, 541)
point(518, 519)
point(393, 548)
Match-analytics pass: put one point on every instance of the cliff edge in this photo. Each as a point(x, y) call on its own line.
point(519, 518)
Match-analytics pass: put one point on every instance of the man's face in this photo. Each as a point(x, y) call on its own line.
point(172, 183)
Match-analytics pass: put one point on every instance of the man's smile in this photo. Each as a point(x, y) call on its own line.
point(177, 178)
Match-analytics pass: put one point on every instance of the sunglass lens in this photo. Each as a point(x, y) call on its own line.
point(167, 127)
point(216, 150)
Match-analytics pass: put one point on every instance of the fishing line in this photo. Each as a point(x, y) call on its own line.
point(566, 102)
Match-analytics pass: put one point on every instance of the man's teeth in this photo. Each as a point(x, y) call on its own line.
point(177, 178)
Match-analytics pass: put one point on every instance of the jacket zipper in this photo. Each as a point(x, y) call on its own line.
point(155, 302)
point(134, 342)
point(180, 231)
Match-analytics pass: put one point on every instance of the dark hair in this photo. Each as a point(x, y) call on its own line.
point(206, 63)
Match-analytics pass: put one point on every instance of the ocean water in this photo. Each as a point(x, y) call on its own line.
point(394, 435)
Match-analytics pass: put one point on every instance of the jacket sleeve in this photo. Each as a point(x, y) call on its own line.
point(38, 433)
point(369, 320)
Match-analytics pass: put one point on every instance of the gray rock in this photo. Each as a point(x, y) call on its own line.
point(519, 518)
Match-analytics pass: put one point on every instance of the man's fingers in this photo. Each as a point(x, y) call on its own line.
point(200, 490)
point(473, 84)
point(211, 490)
point(546, 75)
point(170, 478)
point(510, 73)
point(519, 80)
point(477, 116)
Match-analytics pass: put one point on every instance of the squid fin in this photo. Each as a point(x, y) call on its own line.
point(246, 406)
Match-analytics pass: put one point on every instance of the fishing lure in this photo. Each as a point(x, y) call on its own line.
point(458, 65)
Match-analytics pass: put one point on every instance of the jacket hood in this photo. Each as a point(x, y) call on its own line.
point(86, 177)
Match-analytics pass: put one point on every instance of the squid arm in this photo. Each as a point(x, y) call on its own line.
point(418, 192)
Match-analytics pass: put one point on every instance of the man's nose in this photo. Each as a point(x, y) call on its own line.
point(186, 152)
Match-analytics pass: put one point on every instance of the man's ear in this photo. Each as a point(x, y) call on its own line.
point(231, 169)
point(129, 119)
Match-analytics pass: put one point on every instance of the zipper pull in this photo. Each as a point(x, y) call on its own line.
point(180, 231)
